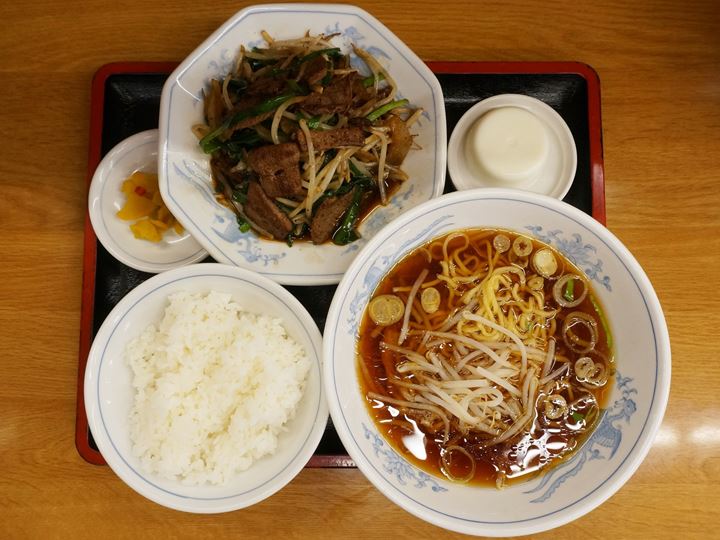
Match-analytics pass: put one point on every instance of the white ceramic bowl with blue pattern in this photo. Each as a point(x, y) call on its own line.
point(636, 406)
point(138, 152)
point(185, 182)
point(109, 393)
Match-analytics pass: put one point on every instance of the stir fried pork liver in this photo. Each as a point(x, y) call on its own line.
point(265, 87)
point(214, 106)
point(335, 98)
point(262, 210)
point(255, 94)
point(316, 70)
point(225, 165)
point(324, 140)
point(327, 216)
point(360, 92)
point(278, 166)
point(401, 140)
point(258, 139)
point(245, 104)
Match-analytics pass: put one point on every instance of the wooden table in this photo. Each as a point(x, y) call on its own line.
point(659, 64)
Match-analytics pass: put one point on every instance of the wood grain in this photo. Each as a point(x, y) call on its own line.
point(659, 65)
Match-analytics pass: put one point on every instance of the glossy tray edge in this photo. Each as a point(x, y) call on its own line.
point(597, 180)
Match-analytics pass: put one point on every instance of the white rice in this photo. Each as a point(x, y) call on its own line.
point(214, 386)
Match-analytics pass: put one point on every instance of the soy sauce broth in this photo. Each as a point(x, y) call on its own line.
point(537, 448)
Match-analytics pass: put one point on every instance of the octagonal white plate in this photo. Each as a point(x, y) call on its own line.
point(185, 182)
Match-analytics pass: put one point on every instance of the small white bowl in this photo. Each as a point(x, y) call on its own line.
point(138, 152)
point(513, 141)
point(636, 403)
point(109, 391)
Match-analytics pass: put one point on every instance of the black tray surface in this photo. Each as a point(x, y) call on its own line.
point(132, 103)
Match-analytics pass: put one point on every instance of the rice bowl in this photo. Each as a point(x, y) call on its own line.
point(214, 387)
point(109, 392)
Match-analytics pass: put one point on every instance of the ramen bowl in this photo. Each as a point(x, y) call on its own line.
point(633, 410)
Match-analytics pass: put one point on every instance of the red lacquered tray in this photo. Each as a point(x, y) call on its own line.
point(126, 98)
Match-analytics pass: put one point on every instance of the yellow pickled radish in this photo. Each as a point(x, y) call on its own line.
point(163, 214)
point(128, 186)
point(143, 202)
point(161, 225)
point(157, 199)
point(136, 207)
point(145, 230)
point(148, 181)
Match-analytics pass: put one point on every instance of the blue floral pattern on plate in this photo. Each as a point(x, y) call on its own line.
point(602, 444)
point(382, 263)
point(377, 220)
point(224, 221)
point(397, 466)
point(579, 252)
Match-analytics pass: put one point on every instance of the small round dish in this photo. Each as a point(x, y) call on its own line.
point(137, 152)
point(513, 141)
point(109, 390)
